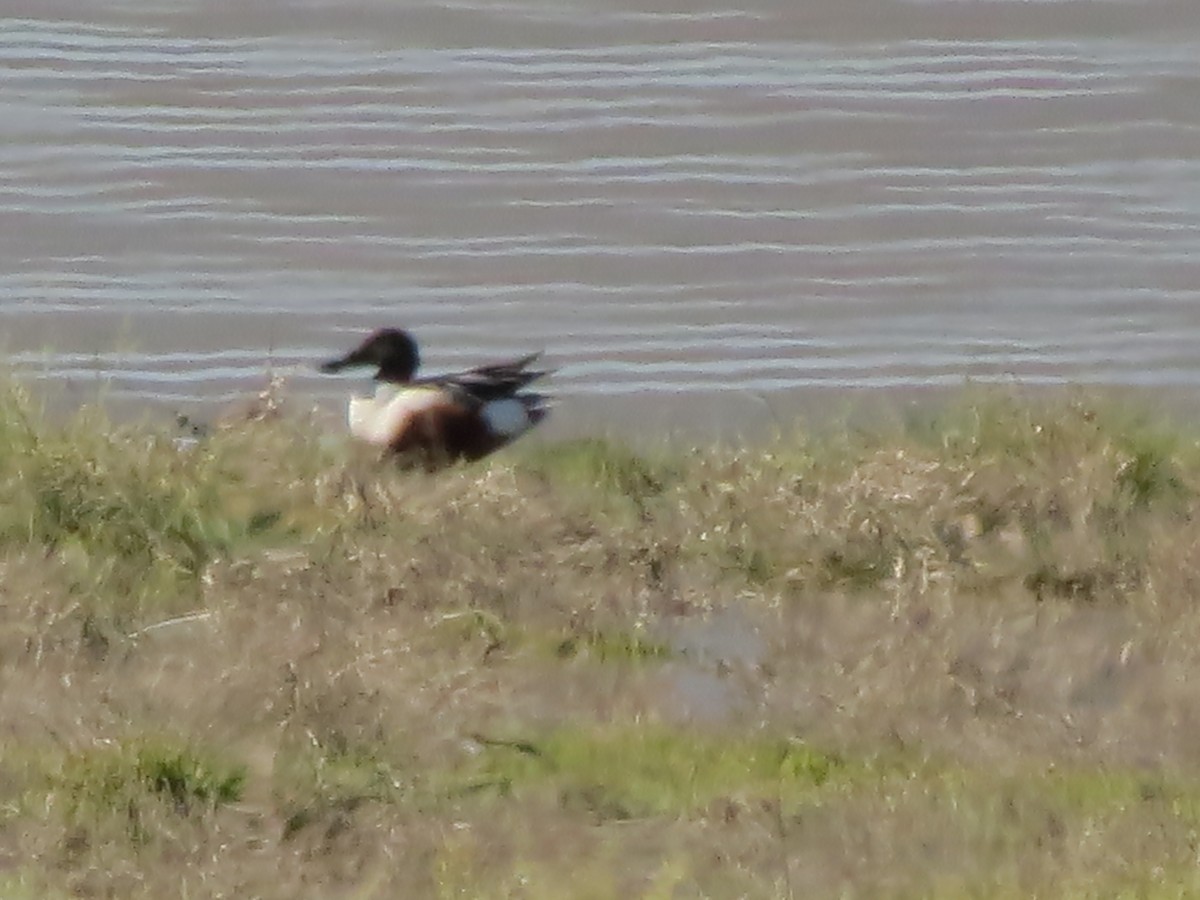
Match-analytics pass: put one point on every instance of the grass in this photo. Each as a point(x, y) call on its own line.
point(947, 657)
point(630, 773)
point(106, 780)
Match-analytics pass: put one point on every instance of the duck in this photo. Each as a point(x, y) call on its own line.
point(463, 416)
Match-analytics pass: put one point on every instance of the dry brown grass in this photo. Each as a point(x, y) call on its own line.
point(946, 659)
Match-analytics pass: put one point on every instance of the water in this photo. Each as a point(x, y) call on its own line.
point(688, 206)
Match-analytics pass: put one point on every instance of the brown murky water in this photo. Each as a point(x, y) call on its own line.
point(680, 201)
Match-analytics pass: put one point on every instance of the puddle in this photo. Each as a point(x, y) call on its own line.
point(715, 672)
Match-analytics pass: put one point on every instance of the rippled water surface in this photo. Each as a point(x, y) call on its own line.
point(677, 200)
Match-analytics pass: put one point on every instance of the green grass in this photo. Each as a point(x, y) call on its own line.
point(130, 516)
point(629, 773)
point(608, 647)
point(603, 467)
point(105, 779)
point(947, 656)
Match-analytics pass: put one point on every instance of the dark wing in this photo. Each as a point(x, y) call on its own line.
point(491, 382)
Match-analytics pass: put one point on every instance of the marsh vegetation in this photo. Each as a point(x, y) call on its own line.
point(950, 656)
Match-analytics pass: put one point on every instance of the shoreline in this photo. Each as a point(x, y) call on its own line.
point(683, 417)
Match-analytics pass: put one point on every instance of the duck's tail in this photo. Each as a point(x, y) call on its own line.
point(537, 406)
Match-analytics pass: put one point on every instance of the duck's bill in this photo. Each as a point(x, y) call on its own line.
point(354, 358)
point(333, 365)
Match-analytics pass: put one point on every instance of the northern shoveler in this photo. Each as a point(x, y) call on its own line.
point(462, 416)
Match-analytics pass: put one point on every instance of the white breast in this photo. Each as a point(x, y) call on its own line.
point(380, 419)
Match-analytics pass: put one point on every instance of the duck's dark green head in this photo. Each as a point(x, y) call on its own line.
point(391, 350)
